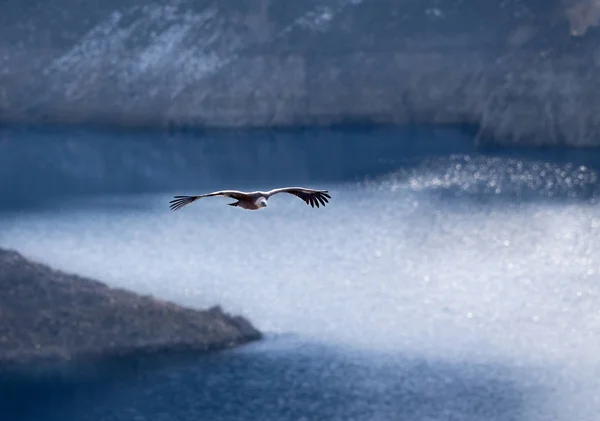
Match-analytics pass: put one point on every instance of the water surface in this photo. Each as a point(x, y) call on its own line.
point(456, 285)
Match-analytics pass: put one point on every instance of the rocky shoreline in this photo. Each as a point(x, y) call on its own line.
point(47, 316)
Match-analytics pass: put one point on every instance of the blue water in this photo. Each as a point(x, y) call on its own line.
point(441, 282)
point(282, 379)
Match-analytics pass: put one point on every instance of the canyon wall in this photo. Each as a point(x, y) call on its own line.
point(523, 72)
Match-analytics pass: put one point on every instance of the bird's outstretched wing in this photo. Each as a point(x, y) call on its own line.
point(310, 196)
point(180, 201)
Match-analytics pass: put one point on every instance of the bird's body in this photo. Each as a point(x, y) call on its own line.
point(254, 201)
point(257, 199)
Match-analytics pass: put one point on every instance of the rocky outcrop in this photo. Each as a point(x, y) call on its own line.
point(525, 72)
point(47, 315)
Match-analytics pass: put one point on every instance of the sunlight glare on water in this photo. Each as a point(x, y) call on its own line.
point(389, 263)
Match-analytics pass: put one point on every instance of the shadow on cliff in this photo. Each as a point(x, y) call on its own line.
point(306, 383)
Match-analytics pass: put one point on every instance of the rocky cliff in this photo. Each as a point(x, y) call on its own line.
point(46, 315)
point(525, 72)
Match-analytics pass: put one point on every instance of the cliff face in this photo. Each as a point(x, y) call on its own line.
point(524, 71)
point(46, 315)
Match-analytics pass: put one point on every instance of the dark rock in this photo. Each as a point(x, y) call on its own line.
point(48, 315)
point(525, 72)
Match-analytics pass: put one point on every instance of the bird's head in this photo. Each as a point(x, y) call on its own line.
point(262, 202)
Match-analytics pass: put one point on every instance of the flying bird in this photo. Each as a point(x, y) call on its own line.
point(258, 199)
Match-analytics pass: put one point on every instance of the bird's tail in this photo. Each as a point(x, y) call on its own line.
point(234, 203)
point(180, 201)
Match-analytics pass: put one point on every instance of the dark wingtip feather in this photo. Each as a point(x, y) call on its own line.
point(317, 199)
point(180, 201)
